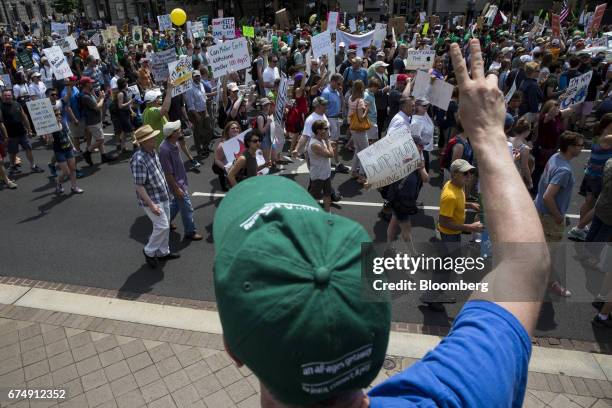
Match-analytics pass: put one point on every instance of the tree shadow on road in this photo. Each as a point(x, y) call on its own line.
point(141, 282)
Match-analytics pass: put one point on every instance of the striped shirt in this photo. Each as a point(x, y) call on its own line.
point(147, 172)
point(597, 161)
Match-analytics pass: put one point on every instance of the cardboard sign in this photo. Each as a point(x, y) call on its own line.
point(137, 34)
point(399, 24)
point(42, 116)
point(93, 51)
point(332, 21)
point(114, 32)
point(180, 75)
point(224, 27)
point(164, 22)
point(60, 28)
point(420, 59)
point(281, 18)
point(159, 64)
point(390, 159)
point(248, 31)
point(380, 32)
point(555, 25)
point(229, 56)
point(599, 12)
point(59, 65)
point(576, 90)
point(352, 25)
point(322, 44)
point(434, 21)
point(437, 91)
point(25, 60)
point(480, 22)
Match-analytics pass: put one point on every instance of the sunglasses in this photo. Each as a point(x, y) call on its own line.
point(255, 141)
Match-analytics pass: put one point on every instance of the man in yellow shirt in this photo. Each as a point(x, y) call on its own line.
point(452, 204)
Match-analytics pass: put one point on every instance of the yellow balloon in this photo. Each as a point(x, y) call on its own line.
point(178, 16)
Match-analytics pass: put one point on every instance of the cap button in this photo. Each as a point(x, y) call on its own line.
point(322, 275)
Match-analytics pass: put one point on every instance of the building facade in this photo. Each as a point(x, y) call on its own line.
point(30, 12)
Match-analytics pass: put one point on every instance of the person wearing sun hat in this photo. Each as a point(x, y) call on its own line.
point(153, 194)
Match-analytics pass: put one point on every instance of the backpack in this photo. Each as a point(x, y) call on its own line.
point(447, 155)
point(254, 120)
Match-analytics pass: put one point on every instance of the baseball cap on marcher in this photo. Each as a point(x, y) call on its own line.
point(319, 100)
point(461, 166)
point(288, 286)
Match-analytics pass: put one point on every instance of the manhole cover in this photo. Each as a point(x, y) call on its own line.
point(389, 364)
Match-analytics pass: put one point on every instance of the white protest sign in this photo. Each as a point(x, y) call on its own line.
point(281, 100)
point(576, 90)
point(352, 25)
point(6, 80)
point(42, 116)
point(160, 63)
point(60, 28)
point(164, 22)
point(420, 59)
point(93, 51)
point(380, 32)
point(137, 34)
point(361, 41)
point(133, 91)
point(197, 29)
point(180, 75)
point(234, 147)
point(224, 27)
point(229, 56)
point(59, 65)
point(438, 92)
point(308, 62)
point(422, 16)
point(332, 21)
point(277, 136)
point(393, 80)
point(600, 42)
point(422, 84)
point(67, 44)
point(390, 159)
point(96, 39)
point(321, 44)
point(331, 62)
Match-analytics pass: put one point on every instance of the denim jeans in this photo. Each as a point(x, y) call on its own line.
point(184, 206)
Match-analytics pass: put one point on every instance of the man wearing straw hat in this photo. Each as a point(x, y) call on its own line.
point(153, 195)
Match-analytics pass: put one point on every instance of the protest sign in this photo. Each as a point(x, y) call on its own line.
point(422, 16)
point(160, 61)
point(114, 32)
point(399, 24)
point(93, 51)
point(332, 21)
point(106, 36)
point(352, 25)
point(137, 34)
point(42, 116)
point(576, 90)
point(59, 65)
point(380, 32)
point(420, 59)
point(180, 75)
point(60, 28)
point(555, 25)
point(362, 41)
point(164, 22)
point(321, 44)
point(600, 42)
point(282, 18)
point(234, 147)
point(393, 80)
point(224, 27)
point(277, 136)
point(536, 30)
point(133, 91)
point(6, 80)
point(96, 39)
point(197, 29)
point(281, 100)
point(248, 31)
point(229, 56)
point(434, 21)
point(599, 12)
point(25, 60)
point(425, 28)
point(204, 20)
point(390, 159)
point(67, 44)
point(436, 91)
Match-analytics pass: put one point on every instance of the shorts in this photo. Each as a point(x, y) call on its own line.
point(96, 131)
point(591, 184)
point(372, 132)
point(77, 131)
point(14, 143)
point(553, 232)
point(334, 129)
point(585, 108)
point(320, 188)
point(266, 142)
point(403, 211)
point(63, 156)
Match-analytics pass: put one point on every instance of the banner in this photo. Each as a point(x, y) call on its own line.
point(60, 28)
point(332, 21)
point(59, 65)
point(362, 41)
point(159, 64)
point(164, 22)
point(420, 59)
point(43, 116)
point(437, 92)
point(25, 60)
point(576, 90)
point(321, 44)
point(229, 56)
point(555, 25)
point(224, 27)
point(180, 75)
point(248, 31)
point(390, 159)
point(380, 33)
point(352, 25)
point(599, 12)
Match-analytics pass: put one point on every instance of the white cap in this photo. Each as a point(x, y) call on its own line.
point(171, 127)
point(526, 58)
point(341, 44)
point(152, 95)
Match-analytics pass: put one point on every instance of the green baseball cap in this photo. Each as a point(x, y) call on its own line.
point(289, 293)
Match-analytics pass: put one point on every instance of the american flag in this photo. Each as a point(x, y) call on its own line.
point(564, 12)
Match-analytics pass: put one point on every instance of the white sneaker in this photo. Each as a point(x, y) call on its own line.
point(577, 234)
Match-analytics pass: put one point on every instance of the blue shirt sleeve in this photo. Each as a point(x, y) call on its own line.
point(561, 177)
point(483, 362)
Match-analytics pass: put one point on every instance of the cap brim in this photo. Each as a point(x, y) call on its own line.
point(149, 136)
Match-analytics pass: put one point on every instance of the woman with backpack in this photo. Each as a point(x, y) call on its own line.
point(358, 124)
point(121, 106)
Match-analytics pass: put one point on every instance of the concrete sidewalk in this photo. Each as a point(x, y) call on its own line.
point(122, 353)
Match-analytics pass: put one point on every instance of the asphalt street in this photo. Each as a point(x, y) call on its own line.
point(96, 239)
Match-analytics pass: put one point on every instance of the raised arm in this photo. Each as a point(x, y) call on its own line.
point(511, 217)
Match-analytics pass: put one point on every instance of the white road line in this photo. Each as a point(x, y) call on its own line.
point(355, 203)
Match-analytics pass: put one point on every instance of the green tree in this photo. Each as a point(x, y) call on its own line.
point(66, 6)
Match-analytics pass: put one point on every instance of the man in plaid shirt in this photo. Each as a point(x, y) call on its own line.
point(153, 195)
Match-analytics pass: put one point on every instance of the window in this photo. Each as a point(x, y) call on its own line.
point(29, 10)
point(42, 7)
point(15, 12)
